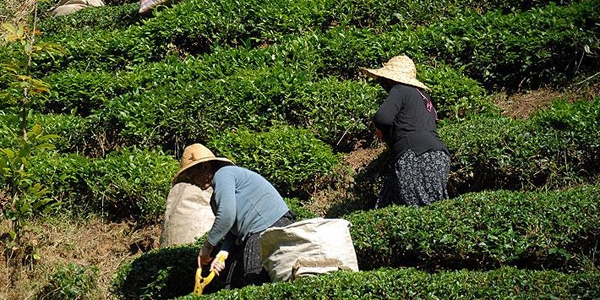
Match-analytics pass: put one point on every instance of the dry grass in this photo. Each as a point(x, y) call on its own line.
point(16, 11)
point(60, 242)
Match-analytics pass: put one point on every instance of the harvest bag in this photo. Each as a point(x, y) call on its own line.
point(147, 5)
point(308, 247)
point(65, 7)
point(188, 214)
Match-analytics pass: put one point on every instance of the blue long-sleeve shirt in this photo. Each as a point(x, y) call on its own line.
point(243, 203)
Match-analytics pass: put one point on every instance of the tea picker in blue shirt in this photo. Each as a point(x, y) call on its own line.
point(244, 204)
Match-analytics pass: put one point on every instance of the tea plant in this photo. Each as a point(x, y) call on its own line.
point(24, 197)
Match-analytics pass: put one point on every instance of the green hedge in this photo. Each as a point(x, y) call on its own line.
point(160, 274)
point(152, 108)
point(520, 50)
point(193, 27)
point(133, 183)
point(169, 272)
point(556, 148)
point(559, 146)
point(476, 231)
point(486, 230)
point(505, 283)
point(130, 183)
point(292, 159)
point(92, 18)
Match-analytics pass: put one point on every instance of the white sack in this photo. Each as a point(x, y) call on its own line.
point(65, 7)
point(187, 215)
point(308, 247)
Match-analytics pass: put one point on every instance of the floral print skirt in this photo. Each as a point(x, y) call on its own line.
point(246, 266)
point(416, 180)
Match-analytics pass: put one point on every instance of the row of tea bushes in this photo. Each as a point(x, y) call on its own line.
point(173, 106)
point(133, 182)
point(124, 13)
point(125, 184)
point(534, 230)
point(263, 20)
point(504, 283)
point(526, 50)
point(480, 231)
point(92, 18)
point(275, 154)
point(558, 146)
point(471, 40)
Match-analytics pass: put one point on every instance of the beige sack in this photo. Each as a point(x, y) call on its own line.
point(188, 215)
point(65, 7)
point(306, 248)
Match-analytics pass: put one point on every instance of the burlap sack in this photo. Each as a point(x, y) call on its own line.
point(308, 247)
point(65, 7)
point(147, 5)
point(187, 215)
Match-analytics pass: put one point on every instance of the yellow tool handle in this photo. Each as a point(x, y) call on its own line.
point(201, 282)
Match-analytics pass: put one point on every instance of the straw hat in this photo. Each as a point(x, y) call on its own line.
point(400, 69)
point(195, 154)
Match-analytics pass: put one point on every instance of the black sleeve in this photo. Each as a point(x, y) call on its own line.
point(387, 112)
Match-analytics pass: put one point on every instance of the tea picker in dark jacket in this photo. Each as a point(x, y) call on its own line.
point(406, 122)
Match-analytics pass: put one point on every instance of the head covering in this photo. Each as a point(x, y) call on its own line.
point(195, 154)
point(400, 69)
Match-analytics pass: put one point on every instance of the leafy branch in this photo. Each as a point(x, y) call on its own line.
point(24, 197)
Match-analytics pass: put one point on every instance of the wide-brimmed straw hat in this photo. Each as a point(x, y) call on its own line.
point(195, 154)
point(399, 69)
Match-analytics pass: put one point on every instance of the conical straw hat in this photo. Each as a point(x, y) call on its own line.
point(195, 154)
point(400, 69)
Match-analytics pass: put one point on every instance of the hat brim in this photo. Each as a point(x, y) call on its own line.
point(376, 73)
point(195, 163)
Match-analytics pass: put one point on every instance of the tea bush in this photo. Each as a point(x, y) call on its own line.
point(520, 50)
point(452, 41)
point(134, 183)
point(155, 111)
point(80, 92)
point(71, 282)
point(501, 230)
point(556, 148)
point(504, 283)
point(483, 230)
point(65, 176)
point(292, 159)
point(92, 18)
point(159, 274)
point(131, 183)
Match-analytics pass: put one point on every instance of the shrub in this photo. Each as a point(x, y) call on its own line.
point(501, 228)
point(290, 158)
point(65, 176)
point(338, 111)
point(131, 183)
point(159, 274)
point(72, 281)
point(93, 18)
point(519, 50)
point(504, 283)
point(556, 148)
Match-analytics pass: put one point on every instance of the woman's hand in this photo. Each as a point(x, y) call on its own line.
point(218, 264)
point(379, 134)
point(204, 255)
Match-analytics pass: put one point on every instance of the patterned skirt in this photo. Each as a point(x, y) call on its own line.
point(246, 267)
point(416, 180)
